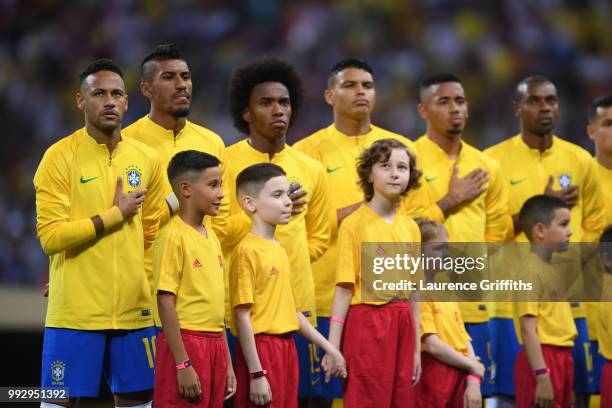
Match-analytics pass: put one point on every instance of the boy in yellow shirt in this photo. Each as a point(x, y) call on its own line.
point(451, 372)
point(543, 371)
point(193, 366)
point(265, 313)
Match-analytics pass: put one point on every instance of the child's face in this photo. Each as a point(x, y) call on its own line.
point(390, 178)
point(273, 204)
point(559, 231)
point(437, 247)
point(206, 191)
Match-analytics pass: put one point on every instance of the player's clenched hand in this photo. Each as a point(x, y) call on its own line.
point(128, 203)
point(334, 364)
point(465, 189)
point(477, 368)
point(544, 394)
point(259, 391)
point(189, 383)
point(472, 397)
point(569, 194)
point(296, 195)
point(230, 387)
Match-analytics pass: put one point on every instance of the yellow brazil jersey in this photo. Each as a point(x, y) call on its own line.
point(191, 137)
point(604, 329)
point(526, 171)
point(306, 236)
point(339, 153)
point(96, 283)
point(485, 219)
point(444, 320)
point(260, 277)
point(604, 179)
point(364, 225)
point(190, 265)
point(166, 144)
point(555, 325)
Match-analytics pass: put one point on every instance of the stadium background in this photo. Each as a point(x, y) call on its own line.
point(490, 45)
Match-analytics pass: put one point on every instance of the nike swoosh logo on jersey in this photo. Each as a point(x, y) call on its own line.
point(429, 179)
point(332, 169)
point(87, 180)
point(514, 182)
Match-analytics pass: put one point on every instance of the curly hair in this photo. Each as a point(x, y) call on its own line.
point(245, 78)
point(380, 151)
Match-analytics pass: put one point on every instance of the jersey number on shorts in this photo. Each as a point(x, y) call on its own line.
point(150, 349)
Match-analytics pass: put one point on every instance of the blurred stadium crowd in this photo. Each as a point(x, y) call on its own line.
point(44, 44)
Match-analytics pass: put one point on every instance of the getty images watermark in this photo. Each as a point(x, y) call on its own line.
point(482, 272)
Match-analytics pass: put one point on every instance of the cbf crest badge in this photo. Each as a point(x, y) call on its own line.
point(58, 369)
point(565, 180)
point(134, 176)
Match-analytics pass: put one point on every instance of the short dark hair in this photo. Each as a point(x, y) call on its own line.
point(533, 79)
point(189, 163)
point(435, 79)
point(603, 101)
point(102, 64)
point(252, 179)
point(381, 150)
point(605, 242)
point(538, 209)
point(160, 52)
point(344, 64)
point(246, 77)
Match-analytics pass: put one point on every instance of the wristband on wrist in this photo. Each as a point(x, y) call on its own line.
point(336, 319)
point(541, 371)
point(258, 374)
point(474, 377)
point(185, 364)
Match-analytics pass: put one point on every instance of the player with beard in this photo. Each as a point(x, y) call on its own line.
point(167, 85)
point(536, 161)
point(445, 158)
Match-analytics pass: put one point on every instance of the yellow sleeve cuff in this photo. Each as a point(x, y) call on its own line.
point(111, 217)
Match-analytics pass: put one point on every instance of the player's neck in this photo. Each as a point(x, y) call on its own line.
point(542, 251)
point(383, 206)
point(604, 160)
point(262, 229)
point(536, 141)
point(108, 139)
point(450, 144)
point(351, 126)
point(192, 218)
point(262, 144)
point(167, 120)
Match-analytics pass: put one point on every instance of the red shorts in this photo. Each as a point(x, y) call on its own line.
point(561, 364)
point(378, 345)
point(440, 385)
point(208, 354)
point(606, 385)
point(278, 357)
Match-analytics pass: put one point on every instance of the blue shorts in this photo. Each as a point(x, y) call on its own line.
point(333, 389)
point(231, 343)
point(309, 373)
point(481, 341)
point(583, 359)
point(505, 346)
point(598, 362)
point(76, 359)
